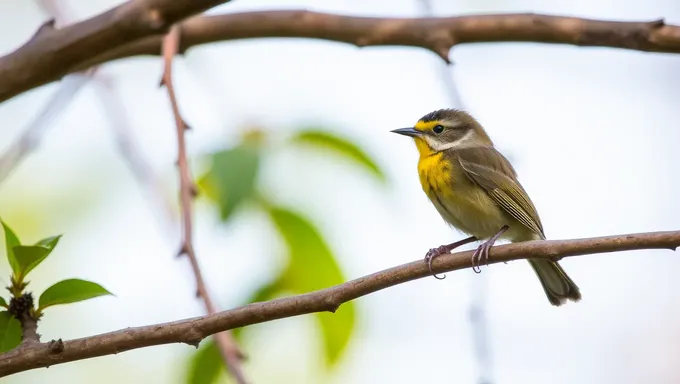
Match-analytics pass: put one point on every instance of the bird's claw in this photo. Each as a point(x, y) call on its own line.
point(442, 250)
point(431, 254)
point(434, 252)
point(480, 255)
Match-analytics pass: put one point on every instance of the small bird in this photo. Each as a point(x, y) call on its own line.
point(475, 189)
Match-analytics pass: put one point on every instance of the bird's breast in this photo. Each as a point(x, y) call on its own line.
point(435, 174)
point(460, 202)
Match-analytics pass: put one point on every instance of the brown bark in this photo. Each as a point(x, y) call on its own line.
point(192, 331)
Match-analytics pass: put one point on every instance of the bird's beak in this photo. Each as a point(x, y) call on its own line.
point(408, 132)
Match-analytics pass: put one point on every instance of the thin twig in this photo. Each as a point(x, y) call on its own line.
point(130, 152)
point(45, 119)
point(113, 105)
point(225, 342)
point(192, 331)
point(120, 125)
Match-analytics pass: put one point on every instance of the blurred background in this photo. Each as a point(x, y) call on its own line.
point(325, 194)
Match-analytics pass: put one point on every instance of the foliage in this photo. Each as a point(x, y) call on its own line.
point(70, 291)
point(320, 139)
point(232, 177)
point(23, 259)
point(312, 266)
point(206, 364)
point(231, 182)
point(10, 332)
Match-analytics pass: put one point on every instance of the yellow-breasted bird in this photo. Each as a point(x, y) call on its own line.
point(475, 189)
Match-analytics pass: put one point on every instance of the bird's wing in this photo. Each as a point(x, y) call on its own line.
point(489, 169)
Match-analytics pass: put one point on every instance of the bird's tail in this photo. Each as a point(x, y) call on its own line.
point(557, 285)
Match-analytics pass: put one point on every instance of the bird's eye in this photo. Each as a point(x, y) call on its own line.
point(438, 129)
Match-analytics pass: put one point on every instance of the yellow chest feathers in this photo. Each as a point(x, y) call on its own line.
point(460, 202)
point(435, 175)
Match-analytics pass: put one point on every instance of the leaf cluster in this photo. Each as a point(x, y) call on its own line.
point(24, 258)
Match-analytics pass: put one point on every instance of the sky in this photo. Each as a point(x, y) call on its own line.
point(591, 131)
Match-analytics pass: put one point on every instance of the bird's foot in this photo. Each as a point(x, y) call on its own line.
point(431, 254)
point(481, 254)
point(441, 250)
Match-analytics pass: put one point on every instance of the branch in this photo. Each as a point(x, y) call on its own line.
point(45, 119)
point(29, 329)
point(21, 308)
point(54, 52)
point(437, 34)
point(192, 331)
point(225, 342)
point(131, 153)
point(136, 28)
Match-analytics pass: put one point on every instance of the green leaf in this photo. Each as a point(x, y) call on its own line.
point(337, 329)
point(49, 242)
point(11, 241)
point(342, 147)
point(231, 178)
point(29, 257)
point(70, 291)
point(205, 365)
point(313, 266)
point(10, 332)
point(3, 303)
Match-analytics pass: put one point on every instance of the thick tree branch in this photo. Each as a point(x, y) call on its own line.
point(224, 340)
point(53, 52)
point(135, 28)
point(192, 331)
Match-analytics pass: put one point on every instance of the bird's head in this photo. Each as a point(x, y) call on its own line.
point(446, 129)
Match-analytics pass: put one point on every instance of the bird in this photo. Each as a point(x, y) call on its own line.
point(476, 190)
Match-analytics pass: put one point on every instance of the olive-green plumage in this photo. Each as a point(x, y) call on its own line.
point(476, 190)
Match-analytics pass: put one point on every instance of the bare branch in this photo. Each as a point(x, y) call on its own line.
point(128, 147)
point(54, 52)
point(225, 342)
point(192, 331)
point(136, 27)
point(30, 138)
point(437, 34)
